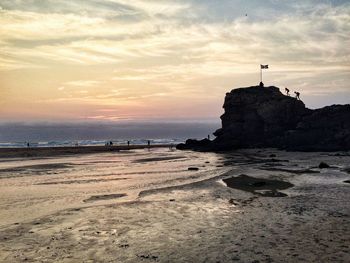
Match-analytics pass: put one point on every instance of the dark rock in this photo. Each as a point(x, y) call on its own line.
point(323, 165)
point(192, 144)
point(272, 155)
point(193, 168)
point(124, 245)
point(326, 129)
point(257, 117)
point(260, 117)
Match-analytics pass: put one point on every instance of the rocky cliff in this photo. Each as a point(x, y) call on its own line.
point(258, 117)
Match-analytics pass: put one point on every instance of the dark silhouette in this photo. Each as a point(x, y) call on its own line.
point(297, 95)
point(261, 111)
point(149, 143)
point(128, 143)
point(287, 91)
point(261, 84)
point(28, 144)
point(208, 137)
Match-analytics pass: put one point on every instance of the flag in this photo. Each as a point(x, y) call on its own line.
point(264, 66)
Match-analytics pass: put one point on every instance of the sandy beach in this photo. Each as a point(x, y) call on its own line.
point(163, 205)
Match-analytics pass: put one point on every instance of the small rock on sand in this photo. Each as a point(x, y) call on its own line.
point(193, 168)
point(323, 165)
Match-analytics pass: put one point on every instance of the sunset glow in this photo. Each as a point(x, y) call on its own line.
point(116, 60)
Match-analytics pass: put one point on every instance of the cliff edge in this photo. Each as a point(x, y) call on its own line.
point(260, 117)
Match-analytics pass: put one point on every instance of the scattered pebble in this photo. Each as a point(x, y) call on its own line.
point(124, 245)
point(232, 201)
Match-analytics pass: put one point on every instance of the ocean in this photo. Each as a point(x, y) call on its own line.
point(89, 134)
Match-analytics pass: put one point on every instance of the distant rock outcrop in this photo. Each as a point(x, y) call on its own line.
point(257, 117)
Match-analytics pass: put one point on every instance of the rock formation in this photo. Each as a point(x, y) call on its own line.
point(257, 117)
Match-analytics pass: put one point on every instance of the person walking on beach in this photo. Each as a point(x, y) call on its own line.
point(149, 143)
point(297, 95)
point(287, 91)
point(128, 143)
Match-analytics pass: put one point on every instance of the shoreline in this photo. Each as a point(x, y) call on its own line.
point(71, 150)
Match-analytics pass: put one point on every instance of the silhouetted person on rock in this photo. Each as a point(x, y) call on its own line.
point(261, 85)
point(297, 95)
point(287, 91)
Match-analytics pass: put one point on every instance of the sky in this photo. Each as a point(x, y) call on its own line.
point(122, 60)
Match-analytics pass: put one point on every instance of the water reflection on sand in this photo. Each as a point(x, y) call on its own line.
point(31, 188)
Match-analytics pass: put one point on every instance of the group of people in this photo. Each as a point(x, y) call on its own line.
point(110, 143)
point(297, 94)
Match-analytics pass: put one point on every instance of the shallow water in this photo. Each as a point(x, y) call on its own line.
point(31, 188)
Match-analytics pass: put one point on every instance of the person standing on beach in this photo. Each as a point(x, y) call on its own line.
point(128, 143)
point(149, 143)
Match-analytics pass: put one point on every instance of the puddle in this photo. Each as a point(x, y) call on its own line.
point(263, 187)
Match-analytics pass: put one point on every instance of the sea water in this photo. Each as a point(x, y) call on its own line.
point(67, 143)
point(90, 134)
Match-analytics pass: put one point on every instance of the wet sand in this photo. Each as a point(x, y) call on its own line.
point(57, 151)
point(146, 206)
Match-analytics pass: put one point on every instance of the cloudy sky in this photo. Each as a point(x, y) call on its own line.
point(114, 60)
